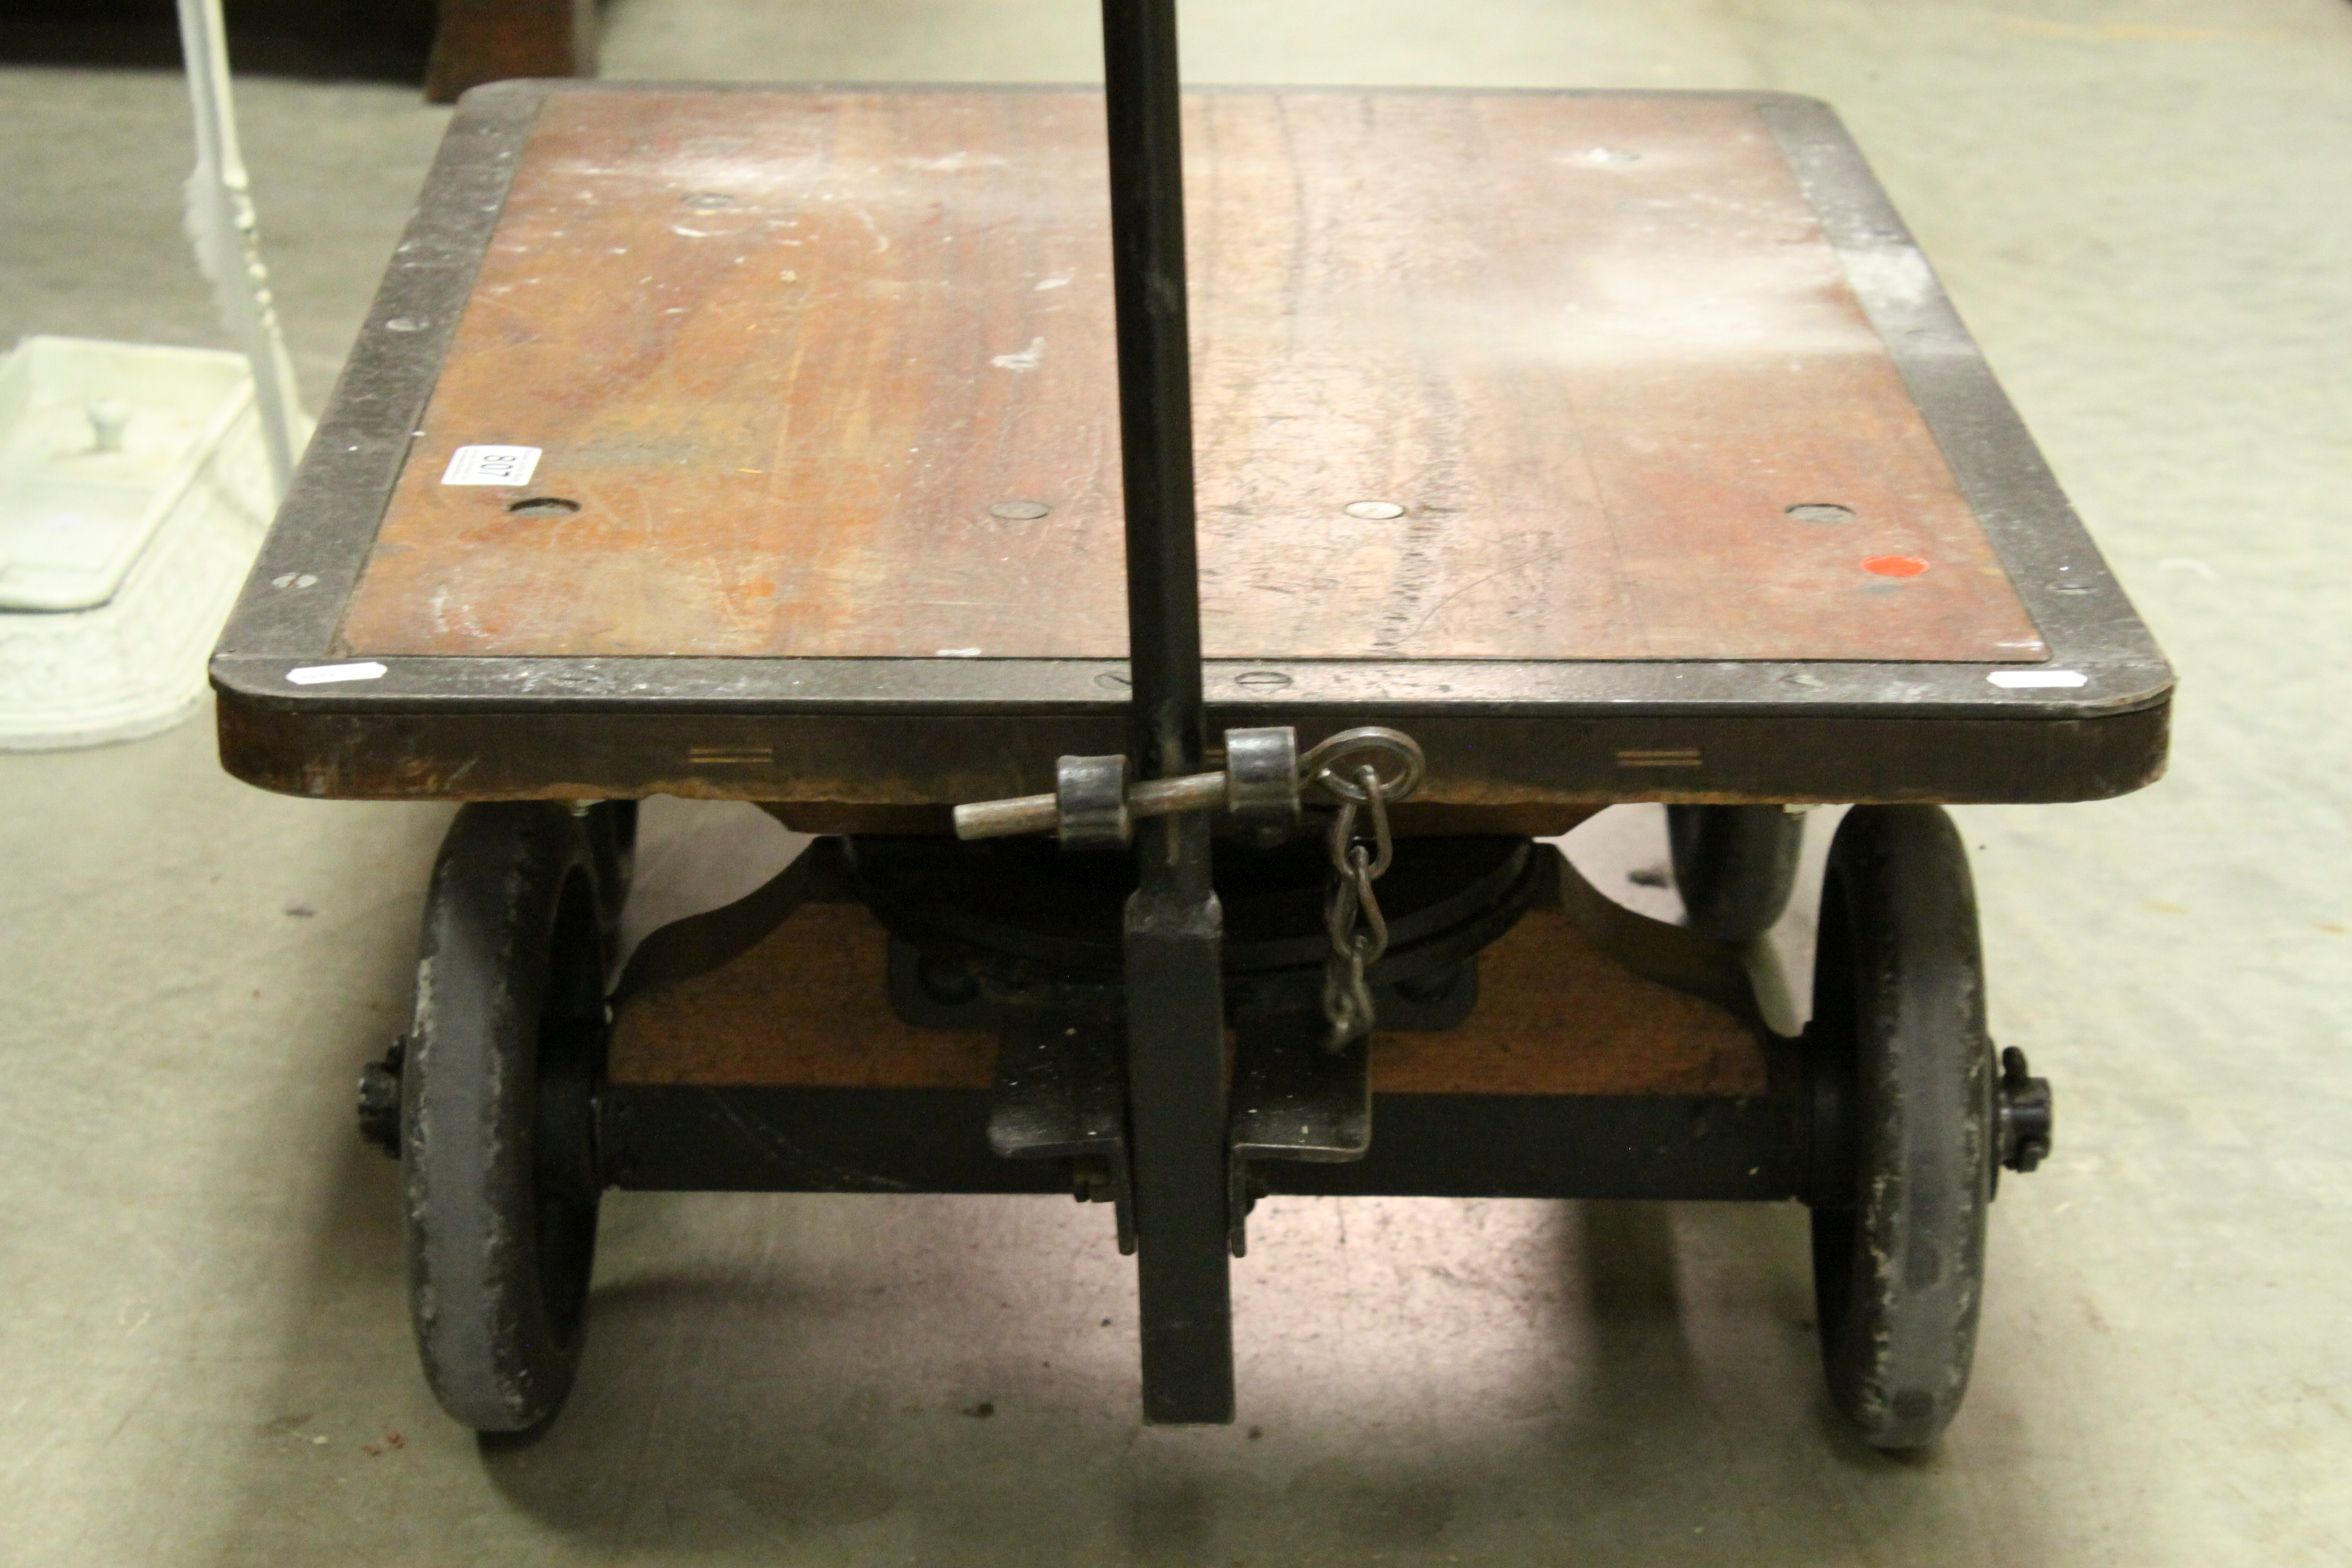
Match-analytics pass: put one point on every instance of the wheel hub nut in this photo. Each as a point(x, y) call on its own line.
point(2025, 1115)
point(379, 1100)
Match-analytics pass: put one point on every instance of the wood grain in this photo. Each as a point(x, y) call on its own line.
point(831, 373)
point(808, 1005)
point(1583, 996)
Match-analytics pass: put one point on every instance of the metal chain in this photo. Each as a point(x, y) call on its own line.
point(1351, 912)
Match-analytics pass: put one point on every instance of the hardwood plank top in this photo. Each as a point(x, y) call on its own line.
point(1507, 376)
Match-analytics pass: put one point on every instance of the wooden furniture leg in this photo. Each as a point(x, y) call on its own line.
point(477, 41)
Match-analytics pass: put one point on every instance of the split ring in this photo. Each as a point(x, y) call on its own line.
point(1395, 759)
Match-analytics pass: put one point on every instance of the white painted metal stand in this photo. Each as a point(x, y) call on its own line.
point(136, 481)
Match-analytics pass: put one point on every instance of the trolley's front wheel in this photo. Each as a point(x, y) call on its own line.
point(611, 826)
point(1898, 1042)
point(1735, 866)
point(496, 1126)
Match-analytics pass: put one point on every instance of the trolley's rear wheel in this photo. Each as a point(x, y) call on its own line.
point(1898, 1032)
point(611, 826)
point(497, 1092)
point(1735, 866)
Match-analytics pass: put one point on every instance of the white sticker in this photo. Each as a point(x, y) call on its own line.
point(329, 674)
point(491, 465)
point(2026, 680)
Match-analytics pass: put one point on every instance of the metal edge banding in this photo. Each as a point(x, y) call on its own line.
point(327, 524)
point(2033, 528)
point(1565, 689)
point(877, 757)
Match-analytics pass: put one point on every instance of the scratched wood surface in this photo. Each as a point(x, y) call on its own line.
point(1507, 376)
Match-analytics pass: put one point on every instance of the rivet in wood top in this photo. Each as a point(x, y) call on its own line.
point(1375, 511)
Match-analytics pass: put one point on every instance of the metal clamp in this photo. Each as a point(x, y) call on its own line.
point(1359, 772)
point(1093, 805)
point(1090, 803)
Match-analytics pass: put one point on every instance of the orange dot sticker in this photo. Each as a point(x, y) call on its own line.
point(1894, 565)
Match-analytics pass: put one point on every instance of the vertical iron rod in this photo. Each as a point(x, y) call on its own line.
point(1155, 383)
point(1175, 994)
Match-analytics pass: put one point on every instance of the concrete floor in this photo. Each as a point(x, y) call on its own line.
point(2140, 205)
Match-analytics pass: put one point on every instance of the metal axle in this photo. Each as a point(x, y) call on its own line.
point(1043, 813)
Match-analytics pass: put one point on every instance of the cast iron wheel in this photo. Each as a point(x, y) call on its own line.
point(1898, 1038)
point(498, 1085)
point(1735, 866)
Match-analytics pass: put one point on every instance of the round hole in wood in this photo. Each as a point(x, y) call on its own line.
point(542, 506)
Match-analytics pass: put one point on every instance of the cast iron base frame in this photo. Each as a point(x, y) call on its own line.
point(845, 1030)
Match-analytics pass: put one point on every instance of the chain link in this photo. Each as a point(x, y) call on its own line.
point(1351, 912)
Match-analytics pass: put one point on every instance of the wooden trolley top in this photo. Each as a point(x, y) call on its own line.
point(763, 443)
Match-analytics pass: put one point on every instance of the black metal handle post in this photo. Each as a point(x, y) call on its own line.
point(1174, 936)
point(1155, 384)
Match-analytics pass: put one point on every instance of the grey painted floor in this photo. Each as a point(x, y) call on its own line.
point(2140, 205)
